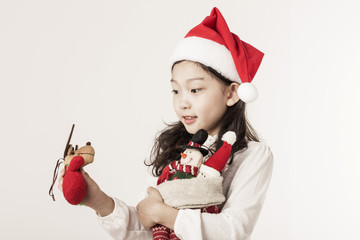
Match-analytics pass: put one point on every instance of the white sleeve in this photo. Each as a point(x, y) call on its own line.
point(123, 223)
point(245, 197)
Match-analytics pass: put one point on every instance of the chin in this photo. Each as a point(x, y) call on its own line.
point(191, 129)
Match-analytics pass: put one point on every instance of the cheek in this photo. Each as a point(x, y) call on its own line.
point(211, 105)
point(213, 109)
point(174, 103)
point(176, 106)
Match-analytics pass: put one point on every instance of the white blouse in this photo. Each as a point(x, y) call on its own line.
point(245, 183)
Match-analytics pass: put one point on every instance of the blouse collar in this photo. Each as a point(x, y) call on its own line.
point(210, 141)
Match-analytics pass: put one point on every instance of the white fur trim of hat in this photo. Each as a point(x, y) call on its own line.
point(207, 52)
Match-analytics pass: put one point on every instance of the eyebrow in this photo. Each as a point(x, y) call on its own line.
point(190, 79)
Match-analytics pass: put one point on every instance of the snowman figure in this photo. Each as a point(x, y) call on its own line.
point(190, 161)
point(190, 183)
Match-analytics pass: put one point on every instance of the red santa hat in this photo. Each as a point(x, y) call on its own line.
point(212, 44)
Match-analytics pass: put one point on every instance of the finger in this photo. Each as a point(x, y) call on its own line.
point(61, 178)
point(62, 173)
point(150, 190)
point(60, 184)
point(83, 172)
point(138, 206)
point(153, 192)
point(86, 176)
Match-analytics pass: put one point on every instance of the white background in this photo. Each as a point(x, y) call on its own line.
point(103, 66)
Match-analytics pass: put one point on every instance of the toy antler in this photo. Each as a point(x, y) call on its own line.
point(58, 163)
point(68, 142)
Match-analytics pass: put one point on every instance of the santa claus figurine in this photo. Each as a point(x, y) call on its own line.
point(198, 184)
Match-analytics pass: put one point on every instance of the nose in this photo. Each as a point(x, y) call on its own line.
point(184, 102)
point(183, 155)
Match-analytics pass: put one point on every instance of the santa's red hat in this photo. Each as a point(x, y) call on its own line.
point(212, 44)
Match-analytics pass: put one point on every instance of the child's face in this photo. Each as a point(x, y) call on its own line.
point(199, 99)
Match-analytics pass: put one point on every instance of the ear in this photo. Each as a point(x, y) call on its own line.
point(232, 95)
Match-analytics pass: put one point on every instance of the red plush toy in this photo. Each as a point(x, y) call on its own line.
point(74, 185)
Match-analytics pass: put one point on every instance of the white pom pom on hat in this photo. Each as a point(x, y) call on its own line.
point(212, 44)
point(247, 92)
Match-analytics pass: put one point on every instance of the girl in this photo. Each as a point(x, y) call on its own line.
point(212, 70)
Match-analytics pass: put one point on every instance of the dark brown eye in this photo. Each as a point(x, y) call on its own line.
point(195, 90)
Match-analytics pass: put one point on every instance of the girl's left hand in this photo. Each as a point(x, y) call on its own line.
point(150, 208)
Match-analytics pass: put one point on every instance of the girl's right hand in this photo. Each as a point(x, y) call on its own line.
point(92, 188)
point(95, 197)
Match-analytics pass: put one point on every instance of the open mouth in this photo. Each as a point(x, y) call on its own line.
point(189, 119)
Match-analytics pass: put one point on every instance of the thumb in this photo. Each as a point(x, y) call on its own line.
point(86, 176)
point(154, 193)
